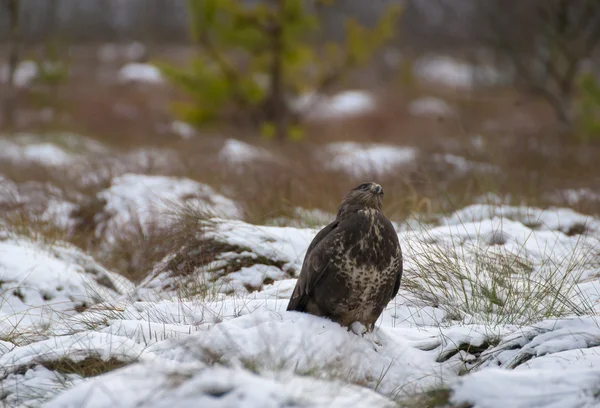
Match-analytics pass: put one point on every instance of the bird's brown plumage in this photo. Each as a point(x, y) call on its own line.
point(353, 266)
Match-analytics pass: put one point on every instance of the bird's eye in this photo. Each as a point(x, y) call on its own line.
point(364, 186)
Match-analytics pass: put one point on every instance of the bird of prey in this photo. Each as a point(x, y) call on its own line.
point(353, 266)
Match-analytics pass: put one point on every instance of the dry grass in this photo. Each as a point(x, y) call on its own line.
point(530, 158)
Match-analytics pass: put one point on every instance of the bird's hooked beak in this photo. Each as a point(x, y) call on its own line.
point(377, 189)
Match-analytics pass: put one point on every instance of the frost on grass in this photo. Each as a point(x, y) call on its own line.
point(498, 271)
point(41, 285)
point(368, 159)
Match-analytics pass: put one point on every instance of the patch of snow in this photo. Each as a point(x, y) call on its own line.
point(75, 347)
point(430, 106)
point(46, 154)
point(569, 388)
point(450, 72)
point(464, 166)
point(343, 104)
point(40, 201)
point(556, 219)
point(359, 160)
point(304, 218)
point(148, 199)
point(187, 386)
point(35, 386)
point(24, 75)
point(42, 284)
point(236, 152)
point(139, 72)
point(574, 196)
point(185, 130)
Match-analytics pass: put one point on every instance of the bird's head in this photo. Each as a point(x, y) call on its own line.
point(368, 195)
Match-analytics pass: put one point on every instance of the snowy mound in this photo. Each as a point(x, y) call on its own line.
point(41, 284)
point(365, 159)
point(148, 200)
point(249, 258)
point(193, 386)
point(557, 219)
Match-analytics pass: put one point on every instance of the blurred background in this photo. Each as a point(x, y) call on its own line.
point(283, 105)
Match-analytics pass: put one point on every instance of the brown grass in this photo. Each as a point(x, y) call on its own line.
point(532, 159)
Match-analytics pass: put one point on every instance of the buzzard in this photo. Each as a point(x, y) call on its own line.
point(353, 266)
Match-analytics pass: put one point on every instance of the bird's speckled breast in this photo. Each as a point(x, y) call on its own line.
point(367, 258)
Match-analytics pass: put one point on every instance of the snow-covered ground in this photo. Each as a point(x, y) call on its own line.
point(359, 160)
point(493, 297)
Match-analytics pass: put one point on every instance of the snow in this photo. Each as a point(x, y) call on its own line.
point(450, 72)
point(46, 154)
point(51, 149)
point(572, 196)
point(149, 199)
point(463, 166)
point(557, 219)
point(236, 152)
point(182, 129)
point(430, 106)
point(241, 347)
point(24, 75)
point(344, 104)
point(139, 72)
point(40, 285)
point(575, 388)
point(155, 386)
point(359, 160)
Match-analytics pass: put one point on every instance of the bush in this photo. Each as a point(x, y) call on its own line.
point(254, 60)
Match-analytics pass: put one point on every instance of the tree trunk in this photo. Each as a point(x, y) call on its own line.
point(13, 61)
point(276, 108)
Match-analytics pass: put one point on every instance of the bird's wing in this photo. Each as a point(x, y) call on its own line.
point(392, 236)
point(398, 274)
point(312, 270)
